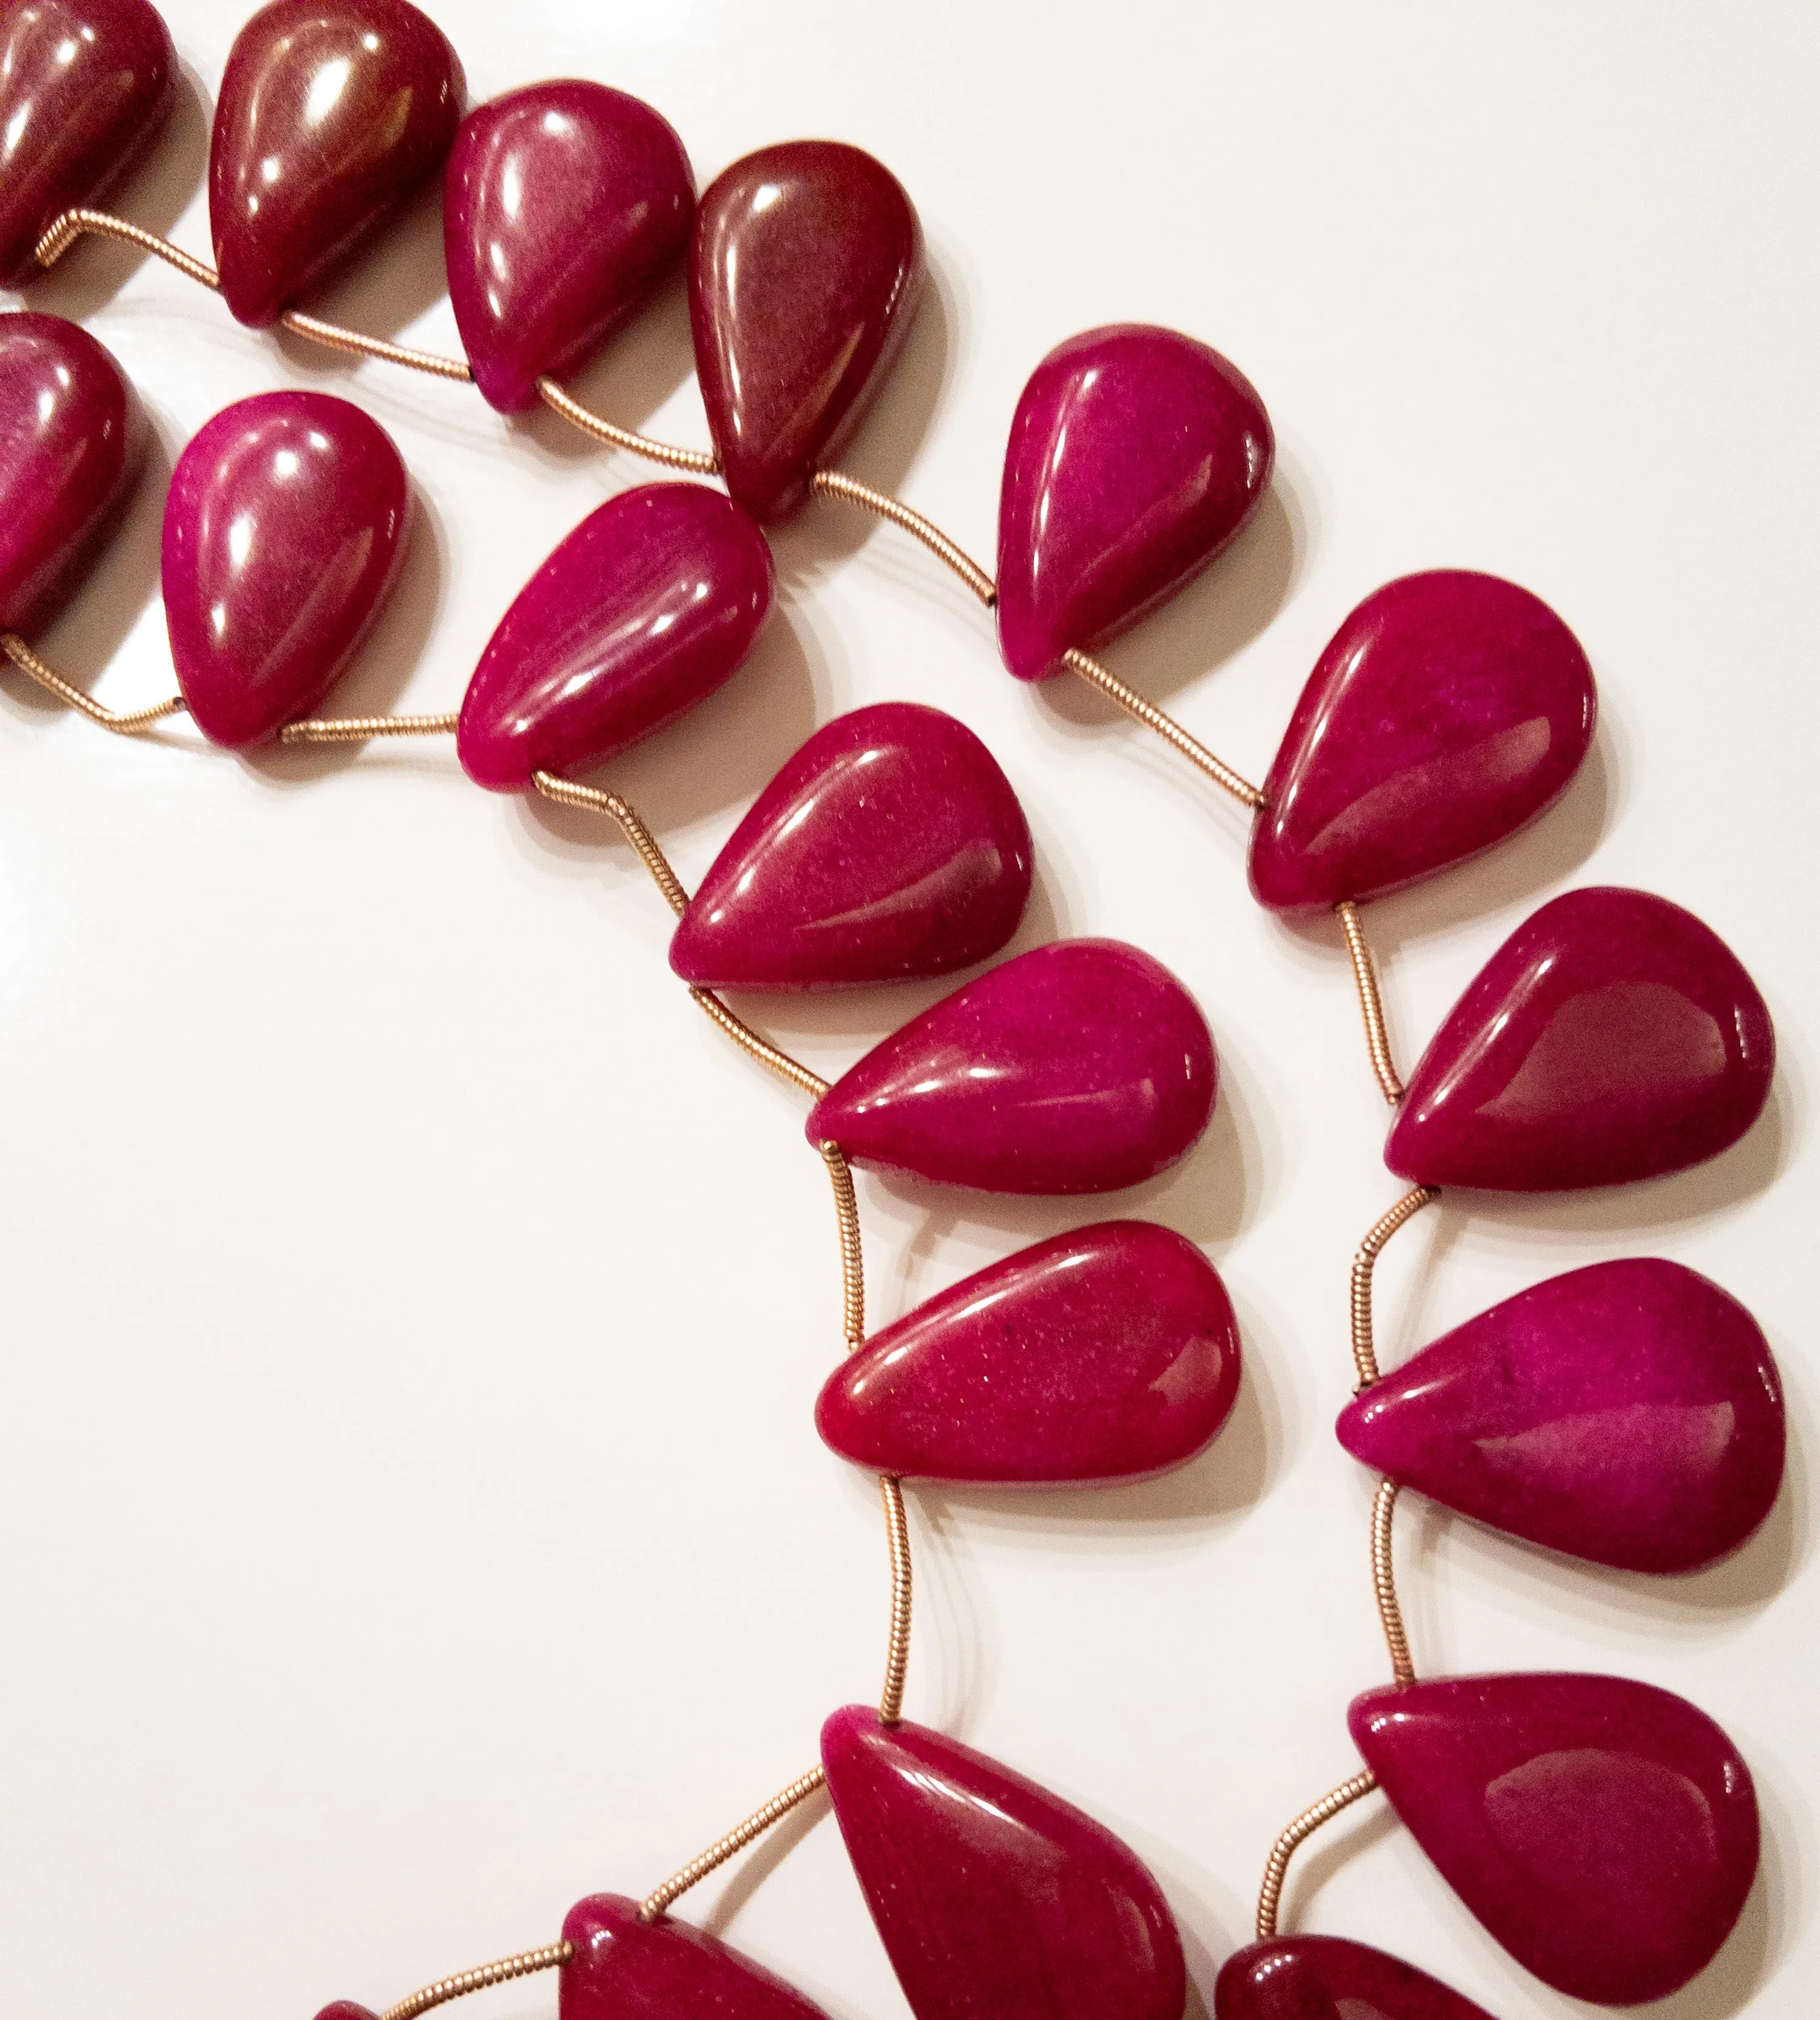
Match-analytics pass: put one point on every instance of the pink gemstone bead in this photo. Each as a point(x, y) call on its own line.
point(86, 86)
point(624, 1969)
point(284, 530)
point(1137, 453)
point(890, 845)
point(1612, 1037)
point(1449, 709)
point(1326, 1978)
point(651, 603)
point(566, 203)
point(70, 443)
point(808, 263)
point(1629, 1412)
point(333, 115)
point(345, 2009)
point(1105, 1354)
point(1605, 1832)
point(996, 1900)
point(1079, 1067)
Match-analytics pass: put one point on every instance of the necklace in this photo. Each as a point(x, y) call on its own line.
point(1611, 1038)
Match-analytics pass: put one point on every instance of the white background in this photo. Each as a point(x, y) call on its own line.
point(411, 1310)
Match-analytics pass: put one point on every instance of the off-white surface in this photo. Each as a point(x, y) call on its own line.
point(410, 1515)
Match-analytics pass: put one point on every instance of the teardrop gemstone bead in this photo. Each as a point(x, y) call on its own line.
point(1449, 709)
point(625, 1969)
point(1079, 1067)
point(1603, 1831)
point(345, 2009)
point(995, 1900)
point(890, 845)
point(1630, 1413)
point(651, 603)
point(70, 444)
point(806, 265)
point(565, 204)
point(333, 115)
point(1137, 453)
point(1108, 1353)
point(1612, 1037)
point(284, 532)
point(1327, 1978)
point(86, 87)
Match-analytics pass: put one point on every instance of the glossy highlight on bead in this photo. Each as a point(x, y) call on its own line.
point(626, 1969)
point(650, 605)
point(1612, 1037)
point(1327, 1978)
point(890, 845)
point(1080, 1067)
point(284, 532)
point(1449, 709)
point(566, 203)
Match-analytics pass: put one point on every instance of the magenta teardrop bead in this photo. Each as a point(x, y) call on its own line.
point(1605, 1832)
point(71, 439)
point(284, 531)
point(565, 204)
point(1108, 1353)
point(651, 603)
point(1079, 1067)
point(86, 86)
point(625, 1969)
point(1326, 1978)
point(1446, 711)
point(345, 2009)
point(890, 845)
point(1137, 453)
point(806, 265)
point(995, 1900)
point(1629, 1412)
point(1612, 1037)
point(333, 115)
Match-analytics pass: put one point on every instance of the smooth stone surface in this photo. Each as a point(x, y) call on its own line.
point(71, 445)
point(86, 87)
point(1327, 1978)
point(890, 845)
point(345, 2009)
point(624, 1969)
point(333, 115)
point(1079, 1067)
point(1612, 1037)
point(1137, 453)
point(1447, 710)
point(651, 603)
point(1629, 1412)
point(995, 1900)
point(1104, 1354)
point(806, 265)
point(1604, 1831)
point(284, 532)
point(565, 205)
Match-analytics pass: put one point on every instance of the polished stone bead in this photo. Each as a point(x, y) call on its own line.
point(651, 603)
point(1137, 453)
point(890, 845)
point(624, 1969)
point(1628, 1412)
point(1079, 1067)
point(284, 531)
point(1107, 1353)
point(86, 86)
point(1612, 1037)
point(71, 441)
point(1449, 709)
point(565, 204)
point(1604, 1831)
point(345, 2009)
point(1327, 1978)
point(333, 115)
point(996, 1900)
point(806, 265)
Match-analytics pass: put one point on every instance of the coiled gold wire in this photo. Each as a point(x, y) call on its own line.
point(1270, 1893)
point(128, 723)
point(1364, 1346)
point(1370, 1004)
point(1166, 727)
point(549, 1957)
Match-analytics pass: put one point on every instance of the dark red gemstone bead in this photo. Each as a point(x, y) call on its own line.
point(1326, 1978)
